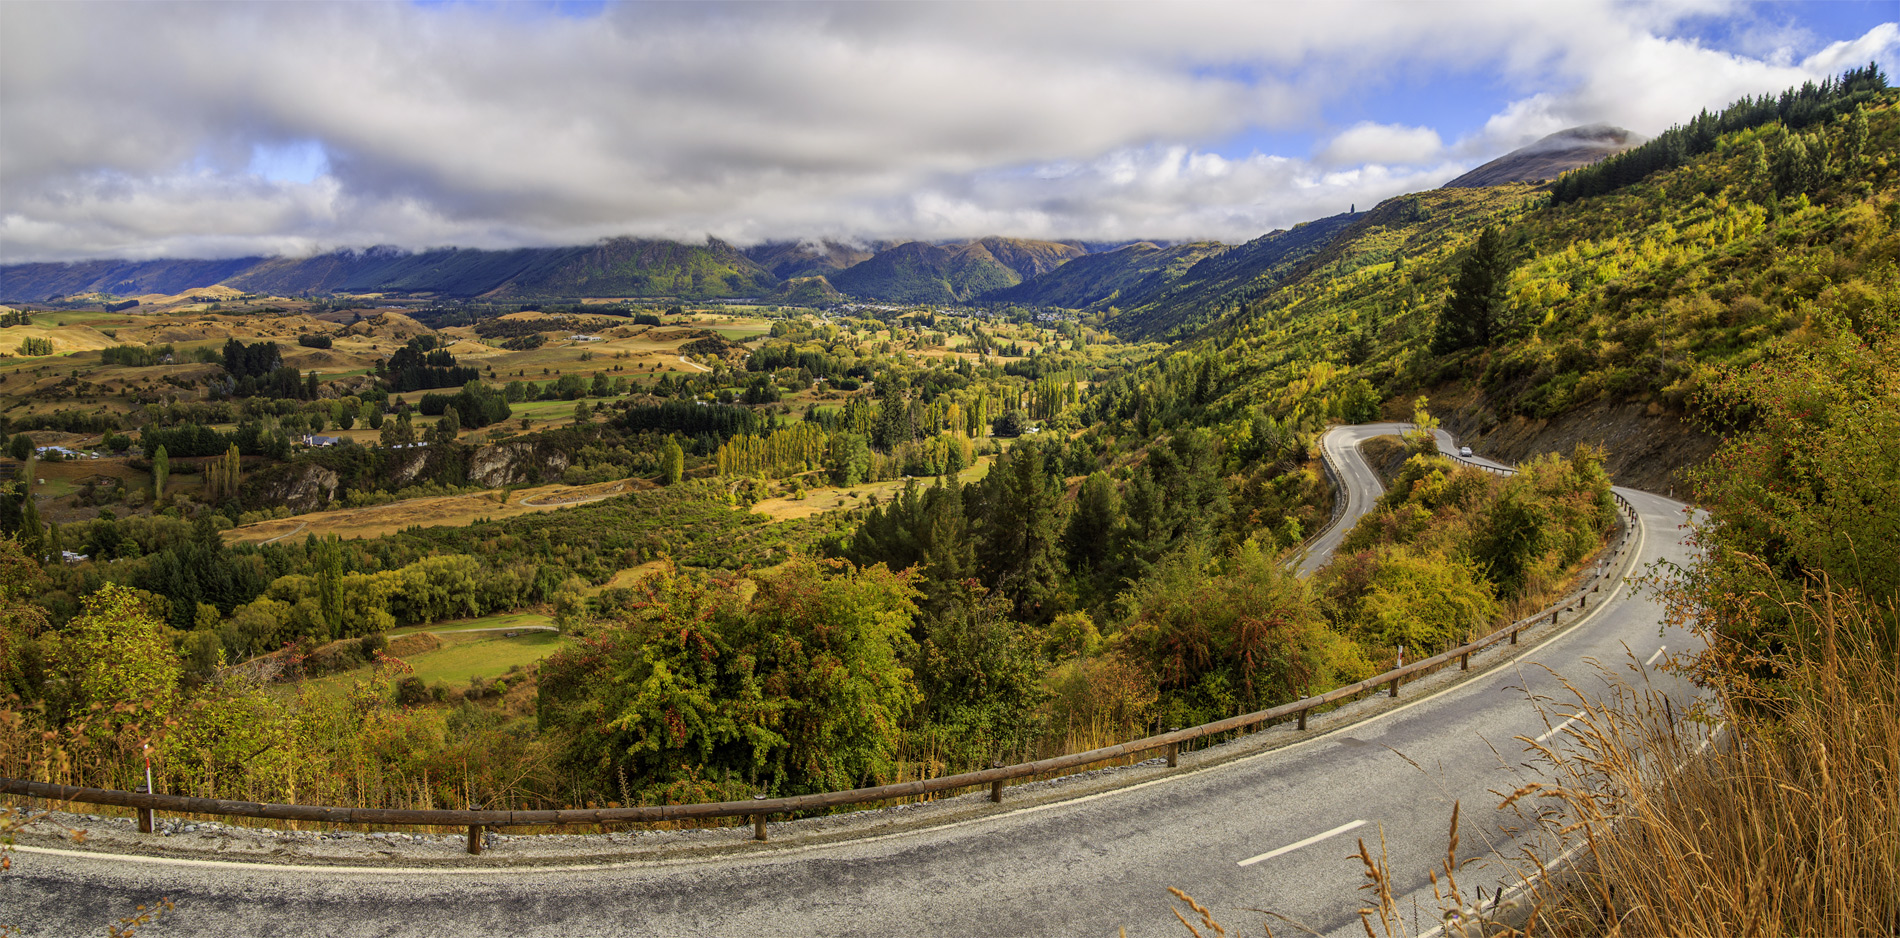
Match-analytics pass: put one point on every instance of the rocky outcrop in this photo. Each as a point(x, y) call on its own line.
point(406, 466)
point(516, 463)
point(308, 487)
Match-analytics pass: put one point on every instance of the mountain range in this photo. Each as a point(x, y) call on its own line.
point(1143, 289)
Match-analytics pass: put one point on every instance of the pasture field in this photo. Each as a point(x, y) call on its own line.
point(461, 657)
point(482, 654)
point(65, 476)
point(500, 620)
point(832, 498)
point(438, 511)
point(95, 318)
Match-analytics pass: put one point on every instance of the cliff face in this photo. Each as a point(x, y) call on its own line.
point(516, 463)
point(308, 487)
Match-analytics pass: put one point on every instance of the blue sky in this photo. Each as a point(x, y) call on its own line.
point(315, 126)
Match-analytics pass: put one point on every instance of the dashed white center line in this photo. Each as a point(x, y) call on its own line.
point(1316, 838)
point(1658, 654)
point(1555, 730)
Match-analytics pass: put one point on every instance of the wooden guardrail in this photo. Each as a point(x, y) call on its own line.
point(759, 807)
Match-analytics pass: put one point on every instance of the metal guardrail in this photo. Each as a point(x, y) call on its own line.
point(759, 808)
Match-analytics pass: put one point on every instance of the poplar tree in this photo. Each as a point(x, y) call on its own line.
point(161, 470)
point(672, 461)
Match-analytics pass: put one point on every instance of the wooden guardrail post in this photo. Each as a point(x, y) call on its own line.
point(1553, 618)
point(758, 819)
point(1394, 692)
point(145, 814)
point(1174, 750)
point(996, 787)
point(475, 839)
point(1464, 661)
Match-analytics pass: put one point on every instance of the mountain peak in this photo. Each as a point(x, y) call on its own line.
point(1550, 157)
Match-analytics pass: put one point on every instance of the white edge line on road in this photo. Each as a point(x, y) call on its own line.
point(1555, 730)
point(1564, 858)
point(639, 863)
point(1308, 842)
point(1652, 658)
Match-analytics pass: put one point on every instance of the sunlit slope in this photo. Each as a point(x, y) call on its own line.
point(1627, 301)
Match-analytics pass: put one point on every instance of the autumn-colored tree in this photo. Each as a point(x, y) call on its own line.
point(117, 654)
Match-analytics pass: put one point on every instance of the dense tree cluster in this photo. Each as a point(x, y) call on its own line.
point(423, 363)
point(1796, 108)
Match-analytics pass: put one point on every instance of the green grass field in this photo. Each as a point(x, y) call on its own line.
point(463, 655)
point(505, 620)
point(740, 333)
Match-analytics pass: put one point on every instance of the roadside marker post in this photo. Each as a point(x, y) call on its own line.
point(145, 814)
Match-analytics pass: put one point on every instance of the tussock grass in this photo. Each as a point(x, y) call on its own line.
point(1789, 823)
point(1770, 807)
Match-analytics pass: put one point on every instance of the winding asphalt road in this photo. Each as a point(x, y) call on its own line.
point(1273, 830)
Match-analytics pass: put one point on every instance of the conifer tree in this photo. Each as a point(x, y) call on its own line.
point(1473, 315)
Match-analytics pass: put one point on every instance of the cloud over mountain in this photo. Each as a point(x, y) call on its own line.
point(205, 130)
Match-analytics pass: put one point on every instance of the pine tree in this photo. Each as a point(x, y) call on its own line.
point(1020, 533)
point(1473, 315)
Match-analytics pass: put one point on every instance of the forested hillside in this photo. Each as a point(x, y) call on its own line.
point(1631, 296)
point(1172, 307)
point(615, 267)
point(1098, 281)
point(947, 274)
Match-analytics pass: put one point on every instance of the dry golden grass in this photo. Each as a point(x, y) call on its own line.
point(452, 510)
point(1773, 809)
point(1788, 824)
point(833, 498)
point(65, 339)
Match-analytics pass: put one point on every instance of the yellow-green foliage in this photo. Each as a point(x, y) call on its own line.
point(1227, 636)
point(1425, 603)
point(1621, 295)
point(115, 655)
point(1432, 563)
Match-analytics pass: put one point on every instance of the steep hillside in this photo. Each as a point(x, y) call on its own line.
point(1212, 287)
point(1550, 157)
point(1129, 274)
point(1613, 314)
point(790, 259)
point(925, 273)
point(24, 282)
point(805, 291)
point(630, 267)
point(1031, 258)
point(615, 267)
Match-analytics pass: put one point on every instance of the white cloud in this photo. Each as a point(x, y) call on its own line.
point(1367, 142)
point(292, 127)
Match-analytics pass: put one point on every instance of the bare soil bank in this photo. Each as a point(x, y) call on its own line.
point(1647, 447)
